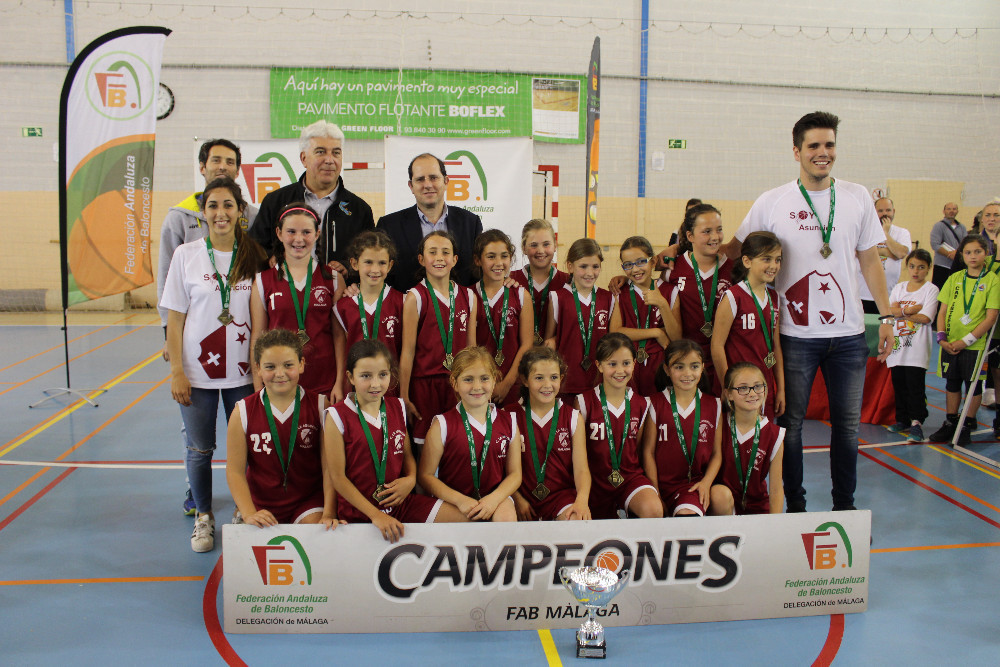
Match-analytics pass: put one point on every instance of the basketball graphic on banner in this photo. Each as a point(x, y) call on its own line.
point(100, 255)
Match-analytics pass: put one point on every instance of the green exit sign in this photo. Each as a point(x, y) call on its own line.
point(31, 131)
point(677, 143)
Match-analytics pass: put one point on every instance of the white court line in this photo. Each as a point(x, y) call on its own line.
point(109, 466)
point(894, 443)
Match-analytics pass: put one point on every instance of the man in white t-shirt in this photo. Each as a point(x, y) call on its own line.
point(891, 252)
point(826, 228)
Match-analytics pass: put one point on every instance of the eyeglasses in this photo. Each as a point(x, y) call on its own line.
point(637, 264)
point(744, 389)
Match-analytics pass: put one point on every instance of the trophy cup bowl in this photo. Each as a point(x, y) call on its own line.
point(594, 588)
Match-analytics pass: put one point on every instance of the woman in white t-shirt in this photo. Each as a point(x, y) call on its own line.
point(207, 296)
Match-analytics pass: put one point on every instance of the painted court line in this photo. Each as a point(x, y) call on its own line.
point(833, 639)
point(101, 580)
point(105, 466)
point(971, 463)
point(549, 646)
point(940, 481)
point(210, 612)
point(936, 547)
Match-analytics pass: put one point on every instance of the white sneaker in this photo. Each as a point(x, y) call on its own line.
point(989, 398)
point(237, 517)
point(203, 537)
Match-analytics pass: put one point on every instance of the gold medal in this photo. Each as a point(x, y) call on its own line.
point(377, 496)
point(706, 329)
point(641, 356)
point(769, 360)
point(538, 338)
point(616, 478)
point(586, 364)
point(225, 317)
point(303, 336)
point(826, 251)
point(498, 358)
point(449, 359)
point(540, 492)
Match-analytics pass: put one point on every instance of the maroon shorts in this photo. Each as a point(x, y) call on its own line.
point(295, 510)
point(605, 505)
point(679, 498)
point(415, 508)
point(431, 396)
point(553, 505)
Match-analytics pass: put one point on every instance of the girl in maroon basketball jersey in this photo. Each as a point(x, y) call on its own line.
point(751, 448)
point(473, 448)
point(700, 277)
point(684, 454)
point(579, 315)
point(276, 460)
point(439, 321)
point(616, 420)
point(504, 322)
point(376, 312)
point(555, 477)
point(540, 277)
point(746, 325)
point(371, 464)
point(643, 313)
point(298, 294)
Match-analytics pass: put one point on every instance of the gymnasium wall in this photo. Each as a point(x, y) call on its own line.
point(916, 86)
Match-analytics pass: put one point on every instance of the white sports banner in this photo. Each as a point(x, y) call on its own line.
point(450, 577)
point(490, 177)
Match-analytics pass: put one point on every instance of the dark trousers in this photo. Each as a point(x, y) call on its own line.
point(911, 399)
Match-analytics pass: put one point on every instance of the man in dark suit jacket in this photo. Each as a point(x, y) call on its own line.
point(429, 183)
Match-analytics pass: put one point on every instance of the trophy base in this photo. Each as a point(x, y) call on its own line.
point(591, 650)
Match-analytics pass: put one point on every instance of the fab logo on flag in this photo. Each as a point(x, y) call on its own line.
point(826, 548)
point(268, 172)
point(120, 85)
point(283, 564)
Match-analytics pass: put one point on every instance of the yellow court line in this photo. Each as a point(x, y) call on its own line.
point(549, 646)
point(935, 547)
point(102, 580)
point(962, 459)
point(59, 416)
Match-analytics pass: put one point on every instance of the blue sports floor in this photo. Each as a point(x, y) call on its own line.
point(96, 565)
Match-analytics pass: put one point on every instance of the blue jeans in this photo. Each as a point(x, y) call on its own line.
point(200, 420)
point(842, 361)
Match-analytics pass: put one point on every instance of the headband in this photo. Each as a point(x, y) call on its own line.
point(298, 208)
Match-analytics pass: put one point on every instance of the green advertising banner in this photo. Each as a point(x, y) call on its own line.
point(368, 104)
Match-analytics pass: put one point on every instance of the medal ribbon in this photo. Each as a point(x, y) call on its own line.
point(540, 469)
point(300, 311)
point(588, 333)
point(446, 340)
point(282, 459)
point(706, 307)
point(379, 464)
point(967, 303)
point(616, 457)
point(378, 315)
point(224, 287)
point(744, 471)
point(760, 314)
point(476, 469)
point(688, 455)
point(635, 307)
point(828, 231)
point(489, 315)
point(539, 307)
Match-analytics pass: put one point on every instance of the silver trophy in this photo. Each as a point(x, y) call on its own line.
point(594, 588)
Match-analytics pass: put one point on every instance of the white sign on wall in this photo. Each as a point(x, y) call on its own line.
point(441, 577)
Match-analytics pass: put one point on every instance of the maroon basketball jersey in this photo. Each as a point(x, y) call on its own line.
point(539, 297)
point(428, 359)
point(321, 365)
point(358, 463)
point(559, 470)
point(746, 336)
point(569, 337)
point(455, 467)
point(644, 374)
point(692, 316)
point(305, 470)
point(509, 320)
point(390, 326)
point(757, 498)
point(671, 465)
point(598, 449)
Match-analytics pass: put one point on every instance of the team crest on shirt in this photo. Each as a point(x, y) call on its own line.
point(633, 427)
point(703, 429)
point(502, 444)
point(398, 437)
point(307, 435)
point(321, 296)
point(816, 298)
point(562, 437)
point(602, 318)
point(510, 318)
point(463, 321)
point(390, 324)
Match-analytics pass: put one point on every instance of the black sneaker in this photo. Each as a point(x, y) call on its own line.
point(996, 429)
point(844, 508)
point(945, 433)
point(965, 437)
point(795, 506)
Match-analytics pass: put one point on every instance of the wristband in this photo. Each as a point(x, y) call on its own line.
point(941, 336)
point(886, 319)
point(969, 340)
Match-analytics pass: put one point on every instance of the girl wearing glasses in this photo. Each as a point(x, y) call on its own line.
point(643, 313)
point(746, 325)
point(750, 482)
